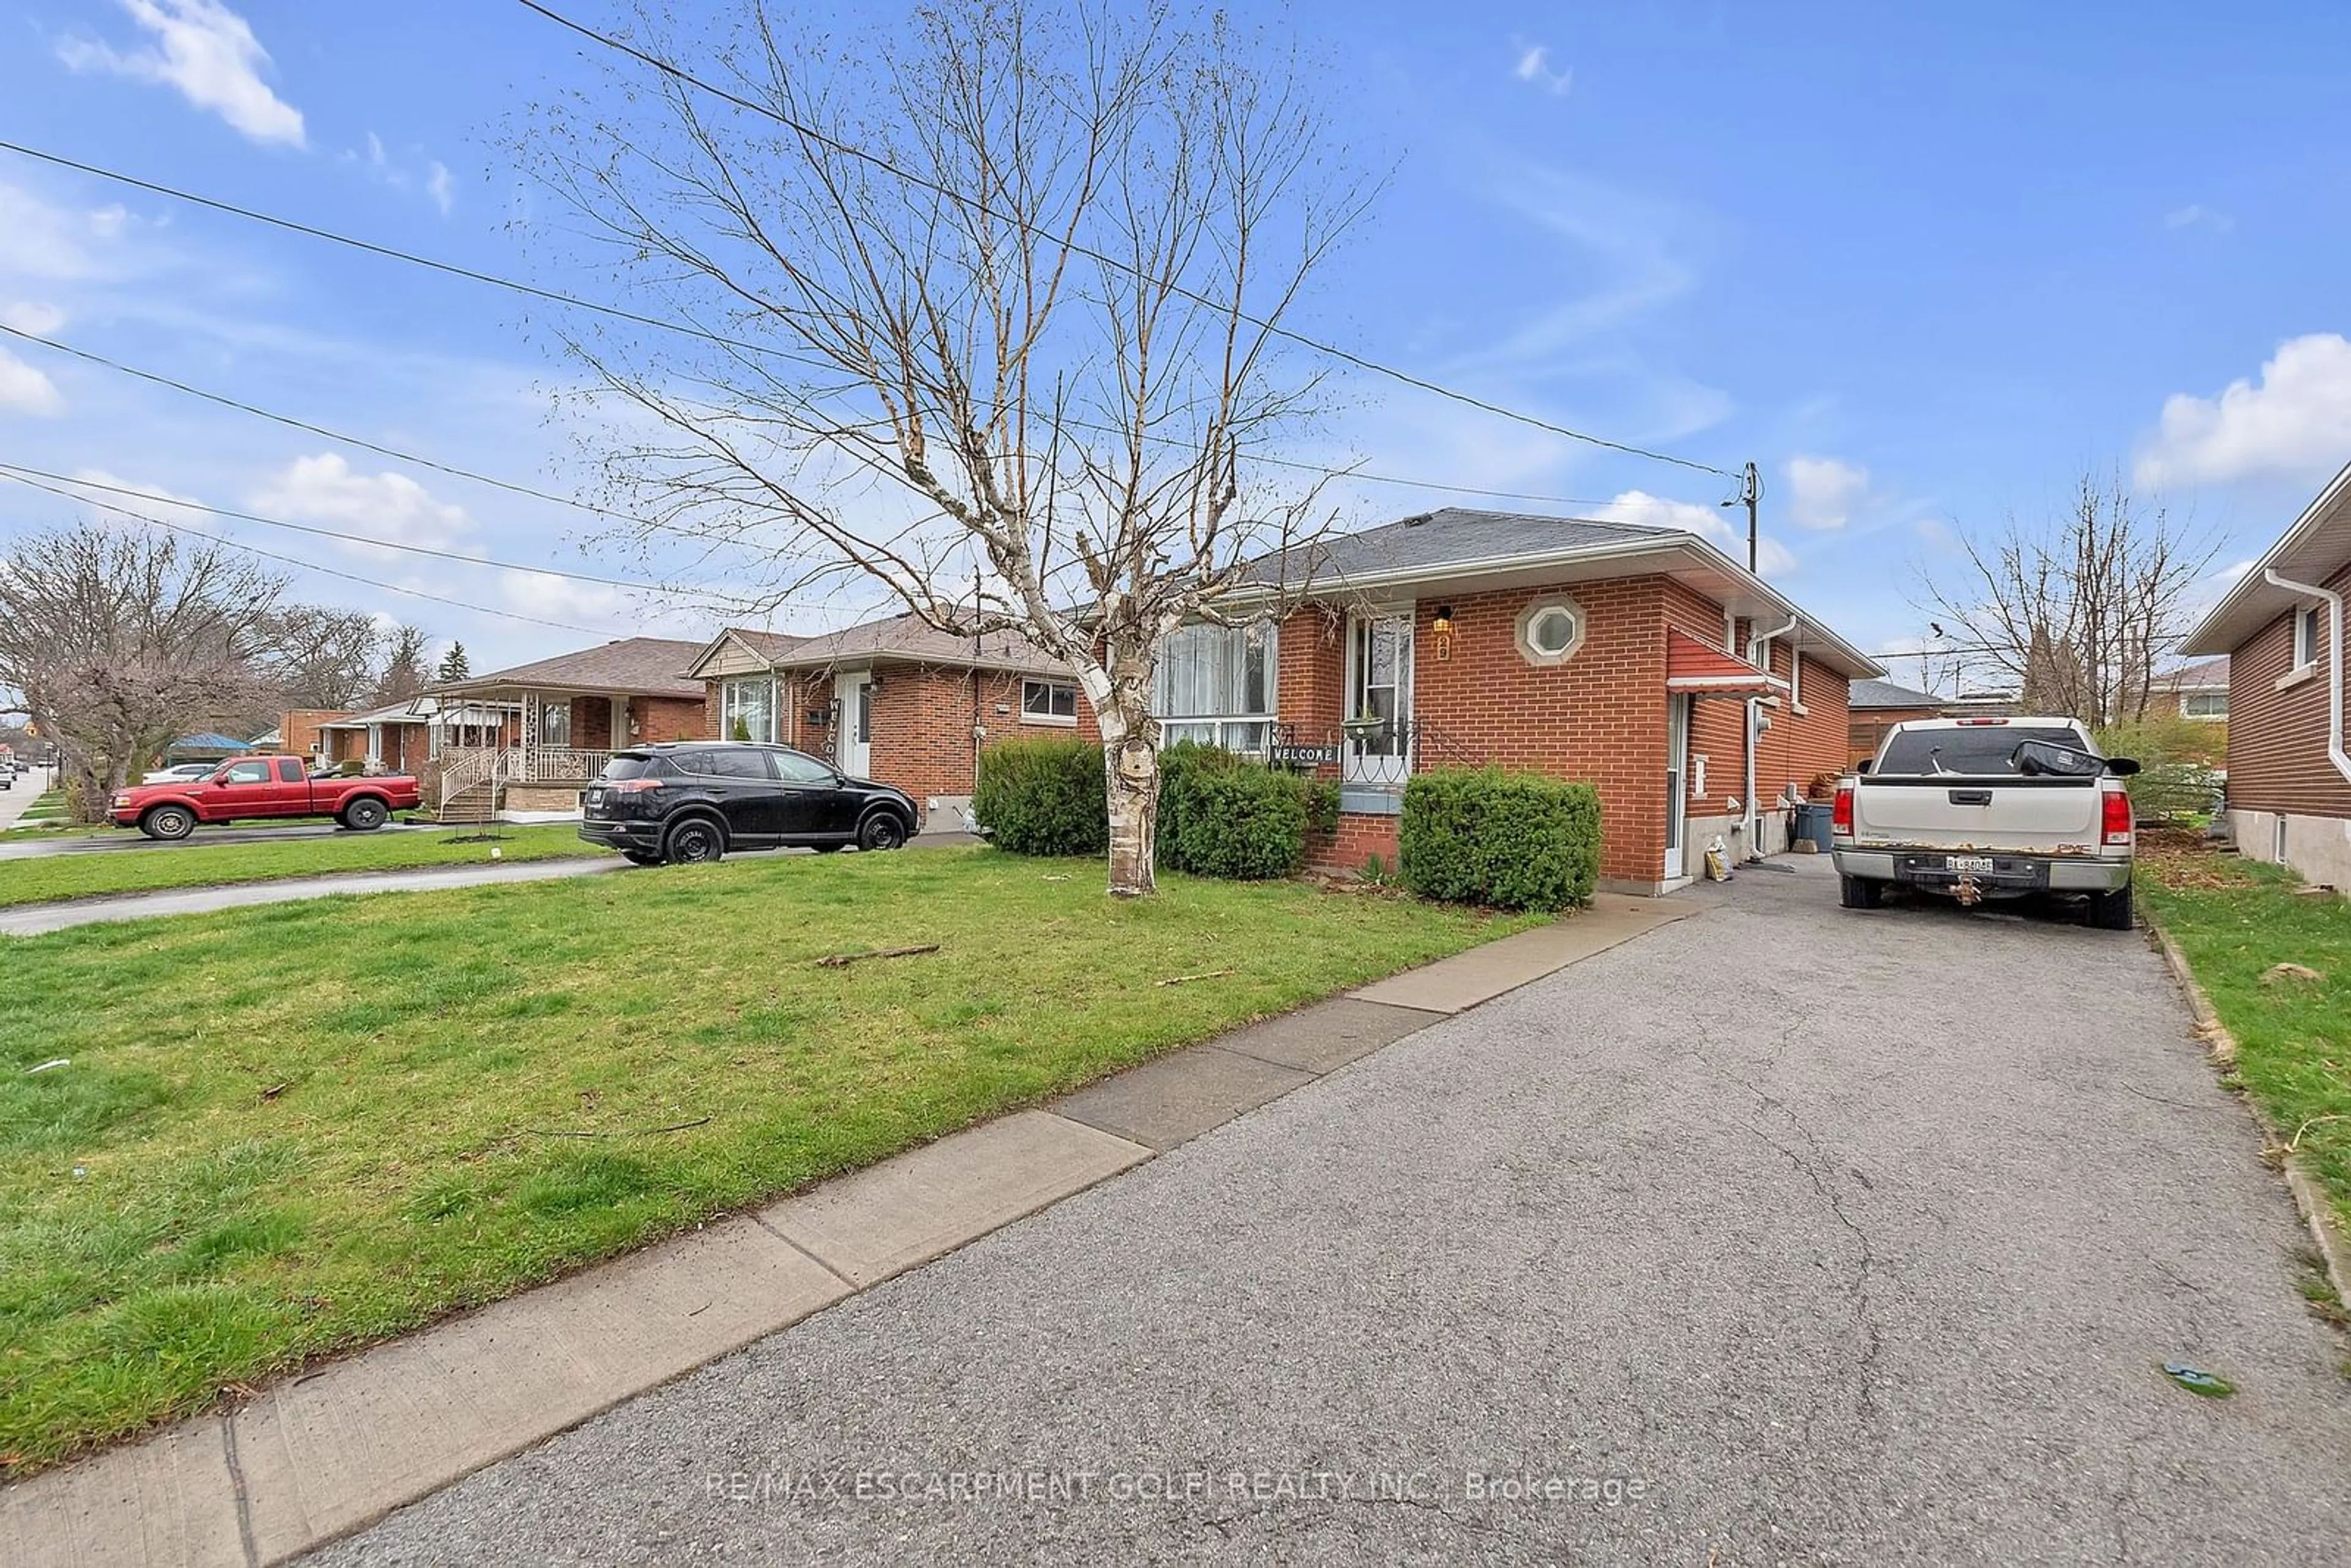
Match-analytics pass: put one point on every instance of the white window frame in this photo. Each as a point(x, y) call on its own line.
point(1240, 730)
point(731, 690)
point(1541, 608)
point(2305, 636)
point(1049, 689)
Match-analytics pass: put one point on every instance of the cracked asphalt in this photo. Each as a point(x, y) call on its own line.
point(1784, 1234)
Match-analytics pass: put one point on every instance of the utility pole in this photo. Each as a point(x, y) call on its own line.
point(1751, 490)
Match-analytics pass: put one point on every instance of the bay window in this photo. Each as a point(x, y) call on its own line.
point(1215, 684)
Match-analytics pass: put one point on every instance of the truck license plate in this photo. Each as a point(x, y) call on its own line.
point(1969, 863)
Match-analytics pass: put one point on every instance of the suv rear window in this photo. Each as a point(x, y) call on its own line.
point(627, 767)
point(1983, 751)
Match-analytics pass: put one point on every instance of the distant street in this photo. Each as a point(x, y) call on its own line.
point(28, 789)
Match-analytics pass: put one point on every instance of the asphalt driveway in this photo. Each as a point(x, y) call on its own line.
point(1784, 1233)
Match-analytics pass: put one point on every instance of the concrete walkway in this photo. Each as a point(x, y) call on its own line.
point(313, 1459)
point(33, 919)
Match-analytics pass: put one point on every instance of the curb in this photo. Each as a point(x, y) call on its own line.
point(2309, 1198)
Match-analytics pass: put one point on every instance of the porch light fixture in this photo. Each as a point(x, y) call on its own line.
point(1442, 629)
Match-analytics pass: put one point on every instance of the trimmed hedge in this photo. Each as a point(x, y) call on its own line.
point(1246, 823)
point(1182, 768)
point(1503, 840)
point(1043, 798)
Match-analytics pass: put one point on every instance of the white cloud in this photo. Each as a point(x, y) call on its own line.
point(385, 166)
point(183, 510)
point(208, 53)
point(1640, 508)
point(438, 185)
point(390, 506)
point(2199, 216)
point(32, 316)
point(24, 389)
point(1822, 493)
point(1534, 67)
point(2291, 424)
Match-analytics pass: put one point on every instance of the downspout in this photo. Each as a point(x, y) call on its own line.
point(1758, 648)
point(2333, 663)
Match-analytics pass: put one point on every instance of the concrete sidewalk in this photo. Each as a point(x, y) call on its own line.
point(315, 1458)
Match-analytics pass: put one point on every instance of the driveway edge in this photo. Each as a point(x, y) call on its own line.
point(2309, 1196)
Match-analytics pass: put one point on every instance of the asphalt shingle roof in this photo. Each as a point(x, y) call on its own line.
point(1443, 537)
point(908, 638)
point(1888, 693)
point(653, 667)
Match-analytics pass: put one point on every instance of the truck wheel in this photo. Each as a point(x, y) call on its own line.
point(1860, 892)
point(168, 823)
point(365, 816)
point(2111, 911)
point(695, 842)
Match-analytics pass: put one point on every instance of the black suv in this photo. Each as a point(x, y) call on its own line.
point(690, 800)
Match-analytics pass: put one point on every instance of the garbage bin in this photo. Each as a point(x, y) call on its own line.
point(1813, 823)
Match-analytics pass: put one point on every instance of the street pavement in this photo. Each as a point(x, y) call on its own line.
point(120, 839)
point(25, 788)
point(1781, 1234)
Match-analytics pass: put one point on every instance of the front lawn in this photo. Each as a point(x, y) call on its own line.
point(2236, 921)
point(194, 863)
point(281, 1132)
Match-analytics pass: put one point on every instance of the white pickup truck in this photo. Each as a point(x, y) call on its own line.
point(1988, 807)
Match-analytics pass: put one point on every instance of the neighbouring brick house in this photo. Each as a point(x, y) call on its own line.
point(1876, 706)
point(520, 744)
point(892, 699)
point(2280, 626)
point(1632, 657)
point(298, 731)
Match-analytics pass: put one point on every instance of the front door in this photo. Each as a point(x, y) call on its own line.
point(1378, 726)
point(856, 693)
point(1678, 726)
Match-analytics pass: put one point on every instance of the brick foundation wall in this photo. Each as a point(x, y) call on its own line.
point(1360, 836)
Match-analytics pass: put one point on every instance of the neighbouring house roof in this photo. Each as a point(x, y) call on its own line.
point(1693, 668)
point(210, 740)
point(738, 650)
point(2205, 676)
point(1880, 693)
point(476, 715)
point(638, 666)
point(2316, 548)
point(894, 639)
point(1456, 547)
point(390, 713)
point(266, 737)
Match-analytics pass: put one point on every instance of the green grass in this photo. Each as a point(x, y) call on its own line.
point(290, 1131)
point(2235, 920)
point(195, 863)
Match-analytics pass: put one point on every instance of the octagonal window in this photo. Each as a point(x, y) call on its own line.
point(1549, 630)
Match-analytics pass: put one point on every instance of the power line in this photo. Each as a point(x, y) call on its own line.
point(979, 206)
point(720, 601)
point(225, 401)
point(289, 560)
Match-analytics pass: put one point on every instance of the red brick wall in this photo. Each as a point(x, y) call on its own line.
point(669, 719)
point(2277, 739)
point(299, 729)
point(591, 724)
point(1359, 837)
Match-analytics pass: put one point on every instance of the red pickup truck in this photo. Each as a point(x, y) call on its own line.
point(252, 789)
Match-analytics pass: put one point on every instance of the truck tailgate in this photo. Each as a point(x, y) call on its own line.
point(1952, 812)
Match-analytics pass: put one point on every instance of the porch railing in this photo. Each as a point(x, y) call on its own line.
point(556, 765)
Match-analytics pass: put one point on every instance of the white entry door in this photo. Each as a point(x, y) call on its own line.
point(1379, 699)
point(1678, 727)
point(856, 693)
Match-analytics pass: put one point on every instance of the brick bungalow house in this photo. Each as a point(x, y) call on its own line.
point(1876, 706)
point(1633, 657)
point(520, 744)
point(2280, 626)
point(891, 699)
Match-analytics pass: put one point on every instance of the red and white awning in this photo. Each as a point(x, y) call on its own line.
point(1697, 670)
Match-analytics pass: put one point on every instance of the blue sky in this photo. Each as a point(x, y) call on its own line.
point(1923, 264)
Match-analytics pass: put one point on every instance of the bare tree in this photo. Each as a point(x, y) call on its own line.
point(2076, 612)
point(120, 642)
point(321, 656)
point(405, 650)
point(994, 300)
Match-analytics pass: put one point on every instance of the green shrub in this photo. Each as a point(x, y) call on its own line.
point(2178, 779)
point(1243, 822)
point(1504, 841)
point(1181, 767)
point(1043, 798)
point(1320, 798)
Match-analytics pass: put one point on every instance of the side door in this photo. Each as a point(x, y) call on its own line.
point(290, 794)
point(738, 781)
point(816, 807)
point(241, 790)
